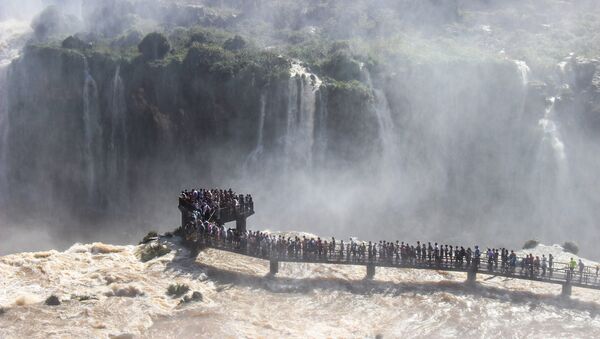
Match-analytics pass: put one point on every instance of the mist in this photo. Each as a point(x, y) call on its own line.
point(451, 121)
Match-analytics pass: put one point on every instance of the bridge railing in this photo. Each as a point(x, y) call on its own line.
point(559, 272)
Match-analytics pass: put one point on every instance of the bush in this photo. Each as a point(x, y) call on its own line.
point(234, 44)
point(153, 250)
point(73, 42)
point(129, 39)
point(570, 247)
point(342, 66)
point(154, 46)
point(529, 244)
point(177, 290)
point(152, 235)
point(201, 37)
point(52, 301)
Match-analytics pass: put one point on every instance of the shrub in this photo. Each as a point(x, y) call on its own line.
point(154, 46)
point(529, 244)
point(342, 66)
point(52, 301)
point(570, 247)
point(177, 290)
point(153, 250)
point(234, 44)
point(73, 42)
point(152, 235)
point(201, 37)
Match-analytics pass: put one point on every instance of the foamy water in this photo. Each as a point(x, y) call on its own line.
point(241, 300)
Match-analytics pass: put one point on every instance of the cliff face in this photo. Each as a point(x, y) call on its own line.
point(94, 131)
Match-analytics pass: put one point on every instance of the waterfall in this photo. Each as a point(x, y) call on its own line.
point(117, 147)
point(523, 70)
point(384, 116)
point(551, 133)
point(258, 149)
point(300, 124)
point(4, 131)
point(321, 131)
point(91, 130)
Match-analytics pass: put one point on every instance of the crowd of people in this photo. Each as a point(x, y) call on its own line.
point(504, 261)
point(208, 202)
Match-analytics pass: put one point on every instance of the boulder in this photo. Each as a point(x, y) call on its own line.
point(52, 301)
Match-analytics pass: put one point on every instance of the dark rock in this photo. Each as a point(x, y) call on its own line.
point(196, 296)
point(52, 301)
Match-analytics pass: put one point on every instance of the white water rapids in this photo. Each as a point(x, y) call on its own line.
point(304, 300)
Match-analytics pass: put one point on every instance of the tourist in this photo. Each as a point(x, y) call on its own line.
point(544, 265)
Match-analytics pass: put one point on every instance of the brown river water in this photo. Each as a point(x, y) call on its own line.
point(240, 300)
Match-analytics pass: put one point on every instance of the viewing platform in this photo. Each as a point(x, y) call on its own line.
point(237, 209)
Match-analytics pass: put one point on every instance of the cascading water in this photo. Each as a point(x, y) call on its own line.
point(4, 131)
point(258, 150)
point(321, 138)
point(384, 117)
point(551, 133)
point(300, 130)
point(92, 131)
point(11, 41)
point(117, 154)
point(524, 70)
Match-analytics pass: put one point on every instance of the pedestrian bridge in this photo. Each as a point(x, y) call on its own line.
point(560, 274)
point(198, 238)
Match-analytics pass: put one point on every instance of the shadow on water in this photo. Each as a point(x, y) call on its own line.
point(185, 262)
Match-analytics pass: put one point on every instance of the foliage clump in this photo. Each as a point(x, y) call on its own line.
point(153, 250)
point(529, 244)
point(154, 46)
point(570, 247)
point(234, 44)
point(73, 42)
point(152, 235)
point(177, 290)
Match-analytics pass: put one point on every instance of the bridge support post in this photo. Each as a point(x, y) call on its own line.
point(370, 271)
point(471, 276)
point(566, 289)
point(240, 225)
point(273, 267)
